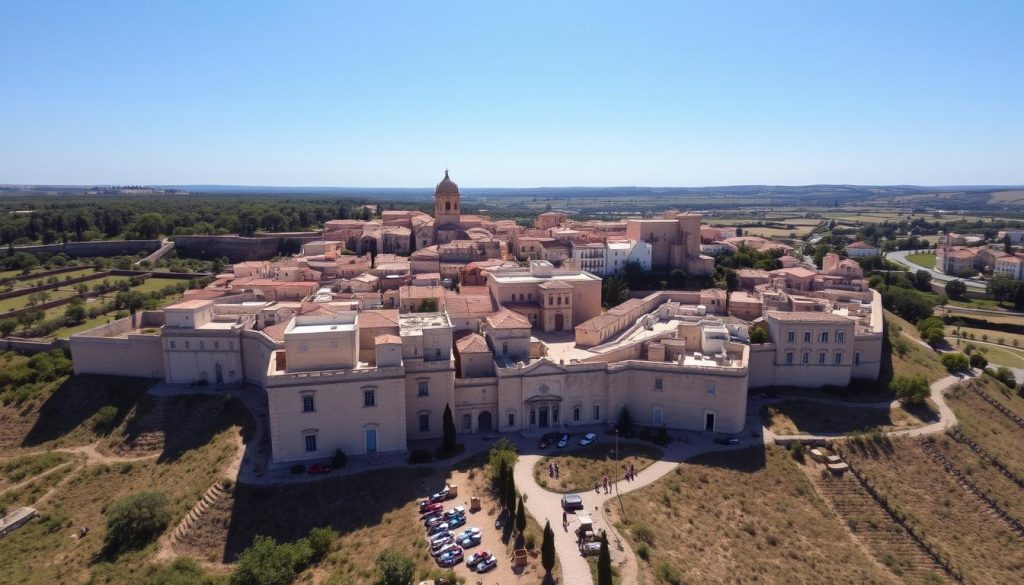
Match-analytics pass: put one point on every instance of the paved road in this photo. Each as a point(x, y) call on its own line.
point(900, 257)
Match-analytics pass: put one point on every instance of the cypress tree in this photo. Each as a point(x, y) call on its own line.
point(448, 425)
point(521, 516)
point(510, 494)
point(547, 548)
point(502, 482)
point(604, 563)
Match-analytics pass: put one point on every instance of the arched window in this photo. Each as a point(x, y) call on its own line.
point(447, 205)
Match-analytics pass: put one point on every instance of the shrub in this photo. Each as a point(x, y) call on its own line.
point(758, 335)
point(643, 533)
point(135, 521)
point(910, 389)
point(661, 437)
point(298, 468)
point(643, 552)
point(669, 574)
point(978, 361)
point(530, 540)
point(104, 419)
point(320, 541)
point(183, 571)
point(268, 563)
point(394, 569)
point(796, 449)
point(956, 289)
point(1005, 375)
point(954, 361)
point(420, 456)
point(339, 459)
point(932, 330)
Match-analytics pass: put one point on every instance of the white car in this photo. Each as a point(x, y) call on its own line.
point(588, 439)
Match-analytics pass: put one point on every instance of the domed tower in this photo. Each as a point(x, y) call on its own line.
point(446, 202)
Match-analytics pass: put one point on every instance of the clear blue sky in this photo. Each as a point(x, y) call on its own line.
point(528, 94)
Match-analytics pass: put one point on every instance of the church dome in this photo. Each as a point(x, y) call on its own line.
point(446, 186)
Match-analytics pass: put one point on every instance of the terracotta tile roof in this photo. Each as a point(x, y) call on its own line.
point(505, 319)
point(467, 306)
point(472, 343)
point(276, 332)
point(379, 318)
point(422, 292)
point(387, 339)
point(860, 245)
point(797, 271)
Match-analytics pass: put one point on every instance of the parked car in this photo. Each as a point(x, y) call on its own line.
point(499, 522)
point(588, 439)
point(434, 520)
point(441, 495)
point(456, 521)
point(437, 529)
point(563, 441)
point(727, 440)
point(547, 440)
point(469, 537)
point(487, 564)
point(572, 502)
point(450, 558)
point(476, 557)
point(448, 547)
point(431, 508)
point(456, 511)
point(318, 468)
point(440, 542)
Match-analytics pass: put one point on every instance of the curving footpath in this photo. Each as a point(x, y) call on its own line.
point(546, 505)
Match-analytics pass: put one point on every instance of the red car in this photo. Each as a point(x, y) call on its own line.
point(431, 508)
point(318, 468)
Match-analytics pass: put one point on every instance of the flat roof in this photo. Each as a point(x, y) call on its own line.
point(322, 328)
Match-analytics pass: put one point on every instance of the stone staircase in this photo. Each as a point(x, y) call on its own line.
point(214, 494)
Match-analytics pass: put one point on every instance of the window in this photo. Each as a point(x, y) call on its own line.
point(173, 344)
point(658, 384)
point(558, 300)
point(789, 357)
point(529, 296)
point(575, 414)
point(369, 398)
point(424, 388)
point(658, 416)
point(186, 345)
point(806, 358)
point(839, 358)
point(554, 414)
point(824, 337)
point(711, 388)
point(310, 443)
point(334, 345)
point(511, 419)
point(533, 417)
point(467, 422)
point(840, 336)
point(821, 358)
point(504, 348)
point(791, 336)
point(303, 347)
point(308, 404)
point(424, 423)
point(202, 345)
point(856, 359)
point(437, 352)
point(597, 412)
point(216, 345)
point(807, 336)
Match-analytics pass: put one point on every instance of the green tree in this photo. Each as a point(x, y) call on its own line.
point(135, 521)
point(502, 480)
point(7, 326)
point(1001, 287)
point(521, 516)
point(448, 428)
point(150, 226)
point(932, 330)
point(954, 361)
point(910, 389)
point(955, 289)
point(977, 361)
point(427, 306)
point(758, 335)
point(268, 563)
point(503, 453)
point(75, 311)
point(394, 569)
point(547, 549)
point(604, 563)
point(510, 494)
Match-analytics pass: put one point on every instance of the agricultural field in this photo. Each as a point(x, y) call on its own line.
point(745, 516)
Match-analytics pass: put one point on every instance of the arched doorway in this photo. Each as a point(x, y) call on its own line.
point(559, 322)
point(483, 423)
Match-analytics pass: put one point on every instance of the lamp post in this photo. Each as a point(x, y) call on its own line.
point(616, 458)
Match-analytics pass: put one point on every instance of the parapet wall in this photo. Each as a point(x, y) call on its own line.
point(237, 248)
point(91, 249)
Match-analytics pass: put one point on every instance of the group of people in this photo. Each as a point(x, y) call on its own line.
point(630, 472)
point(553, 470)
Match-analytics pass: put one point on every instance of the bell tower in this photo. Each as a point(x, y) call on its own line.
point(446, 202)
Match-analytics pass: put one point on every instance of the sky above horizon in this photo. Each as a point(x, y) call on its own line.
point(521, 94)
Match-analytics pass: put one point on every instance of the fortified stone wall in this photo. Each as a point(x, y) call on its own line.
point(91, 249)
point(237, 248)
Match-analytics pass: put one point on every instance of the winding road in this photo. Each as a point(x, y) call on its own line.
point(900, 257)
point(547, 505)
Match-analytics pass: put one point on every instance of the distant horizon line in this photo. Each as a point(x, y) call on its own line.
point(723, 186)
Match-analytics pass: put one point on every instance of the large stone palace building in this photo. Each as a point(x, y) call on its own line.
point(528, 349)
